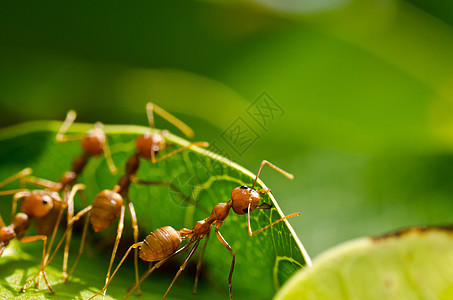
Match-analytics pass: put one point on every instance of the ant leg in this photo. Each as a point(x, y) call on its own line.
point(119, 232)
point(225, 243)
point(82, 244)
point(29, 239)
point(134, 246)
point(16, 197)
point(68, 200)
point(41, 182)
point(108, 158)
point(2, 223)
point(10, 192)
point(63, 206)
point(267, 226)
point(18, 175)
point(175, 189)
point(157, 265)
point(199, 144)
point(264, 162)
point(151, 108)
point(70, 118)
point(200, 260)
point(70, 215)
point(76, 218)
point(135, 228)
point(69, 138)
point(182, 267)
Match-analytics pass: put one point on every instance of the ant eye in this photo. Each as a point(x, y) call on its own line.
point(45, 200)
point(245, 210)
point(244, 187)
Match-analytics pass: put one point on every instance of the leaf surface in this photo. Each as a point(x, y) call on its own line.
point(415, 263)
point(263, 262)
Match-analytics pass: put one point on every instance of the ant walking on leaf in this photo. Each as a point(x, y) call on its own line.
point(109, 205)
point(38, 205)
point(93, 143)
point(163, 243)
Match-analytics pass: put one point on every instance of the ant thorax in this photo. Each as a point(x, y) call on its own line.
point(148, 141)
point(242, 197)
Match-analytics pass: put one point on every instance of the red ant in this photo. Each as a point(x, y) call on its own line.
point(162, 244)
point(37, 204)
point(93, 143)
point(109, 204)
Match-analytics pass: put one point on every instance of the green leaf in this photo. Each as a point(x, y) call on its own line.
point(415, 263)
point(263, 262)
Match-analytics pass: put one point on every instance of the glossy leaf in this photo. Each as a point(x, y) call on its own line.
point(411, 264)
point(263, 262)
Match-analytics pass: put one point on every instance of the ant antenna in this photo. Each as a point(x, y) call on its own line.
point(265, 162)
point(151, 108)
point(109, 159)
point(199, 144)
point(70, 118)
point(267, 226)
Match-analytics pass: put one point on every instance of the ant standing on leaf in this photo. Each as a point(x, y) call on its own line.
point(38, 205)
point(93, 143)
point(162, 244)
point(111, 204)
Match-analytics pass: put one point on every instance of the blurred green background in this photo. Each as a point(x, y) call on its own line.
point(365, 86)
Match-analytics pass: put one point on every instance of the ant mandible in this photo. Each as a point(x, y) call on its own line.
point(110, 204)
point(162, 244)
point(36, 204)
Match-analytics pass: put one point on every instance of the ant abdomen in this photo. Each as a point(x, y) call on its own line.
point(146, 142)
point(160, 243)
point(106, 209)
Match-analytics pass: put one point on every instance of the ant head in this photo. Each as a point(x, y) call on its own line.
point(150, 142)
point(39, 203)
point(94, 141)
point(241, 197)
